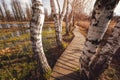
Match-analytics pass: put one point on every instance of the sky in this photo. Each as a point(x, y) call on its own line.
point(46, 4)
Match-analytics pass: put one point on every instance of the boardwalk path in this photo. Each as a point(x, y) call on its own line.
point(67, 65)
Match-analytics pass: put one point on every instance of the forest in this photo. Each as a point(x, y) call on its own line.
point(59, 40)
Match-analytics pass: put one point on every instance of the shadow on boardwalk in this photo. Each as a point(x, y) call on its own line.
point(67, 66)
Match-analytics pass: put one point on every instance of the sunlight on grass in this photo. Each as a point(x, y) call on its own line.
point(17, 60)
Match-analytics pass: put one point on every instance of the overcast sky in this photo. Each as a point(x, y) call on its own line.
point(46, 4)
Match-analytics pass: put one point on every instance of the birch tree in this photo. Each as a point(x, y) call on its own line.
point(77, 8)
point(101, 60)
point(102, 13)
point(58, 16)
point(2, 14)
point(36, 38)
point(67, 17)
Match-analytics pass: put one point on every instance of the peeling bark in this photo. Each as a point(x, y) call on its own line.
point(100, 61)
point(36, 38)
point(102, 13)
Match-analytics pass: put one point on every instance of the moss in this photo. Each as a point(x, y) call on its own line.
point(21, 61)
point(77, 69)
point(48, 74)
point(64, 45)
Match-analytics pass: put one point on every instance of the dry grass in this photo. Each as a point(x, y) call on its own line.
point(110, 28)
point(20, 56)
point(14, 22)
point(84, 26)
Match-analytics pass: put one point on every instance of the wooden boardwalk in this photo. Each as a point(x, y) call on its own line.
point(67, 65)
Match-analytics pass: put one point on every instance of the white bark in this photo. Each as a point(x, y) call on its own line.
point(67, 17)
point(58, 6)
point(64, 10)
point(54, 8)
point(36, 37)
point(102, 13)
point(58, 18)
point(100, 61)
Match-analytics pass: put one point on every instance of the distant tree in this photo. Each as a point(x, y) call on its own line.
point(36, 25)
point(15, 10)
point(58, 16)
point(28, 13)
point(2, 17)
point(18, 11)
point(92, 61)
point(7, 12)
point(67, 18)
point(46, 14)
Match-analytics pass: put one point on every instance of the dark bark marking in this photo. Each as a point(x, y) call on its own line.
point(83, 75)
point(90, 51)
point(95, 25)
point(93, 15)
point(97, 42)
point(110, 16)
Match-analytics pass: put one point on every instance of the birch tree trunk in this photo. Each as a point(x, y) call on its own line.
point(71, 21)
point(67, 21)
point(36, 38)
point(58, 18)
point(102, 13)
point(101, 60)
point(62, 15)
point(58, 30)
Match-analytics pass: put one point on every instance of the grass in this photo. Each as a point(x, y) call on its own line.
point(13, 22)
point(84, 25)
point(17, 60)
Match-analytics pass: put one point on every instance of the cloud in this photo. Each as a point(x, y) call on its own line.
point(25, 1)
point(46, 4)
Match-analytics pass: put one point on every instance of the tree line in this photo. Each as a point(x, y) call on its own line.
point(16, 13)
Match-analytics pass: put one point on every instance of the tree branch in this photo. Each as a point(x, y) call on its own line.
point(58, 6)
point(64, 9)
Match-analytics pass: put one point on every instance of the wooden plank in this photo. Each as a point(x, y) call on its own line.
point(68, 64)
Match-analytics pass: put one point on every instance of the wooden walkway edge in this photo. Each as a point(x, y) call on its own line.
point(67, 66)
